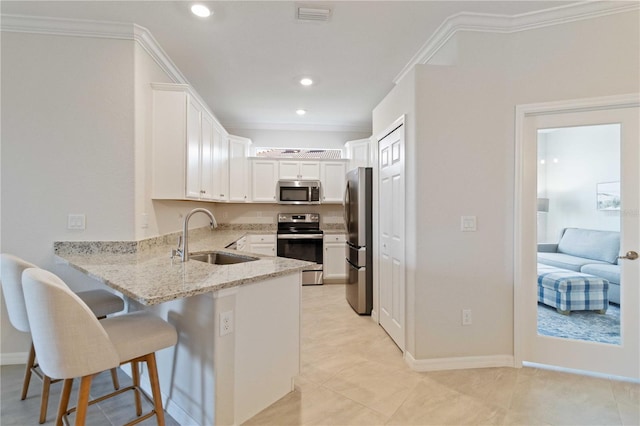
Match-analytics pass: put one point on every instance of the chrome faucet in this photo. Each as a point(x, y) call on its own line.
point(183, 242)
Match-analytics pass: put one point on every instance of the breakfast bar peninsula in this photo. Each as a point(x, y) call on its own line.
point(238, 323)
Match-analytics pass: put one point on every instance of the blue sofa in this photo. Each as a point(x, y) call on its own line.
point(588, 251)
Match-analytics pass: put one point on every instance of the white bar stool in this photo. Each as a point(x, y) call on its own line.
point(101, 302)
point(76, 344)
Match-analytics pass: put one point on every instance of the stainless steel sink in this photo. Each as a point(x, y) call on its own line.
point(220, 258)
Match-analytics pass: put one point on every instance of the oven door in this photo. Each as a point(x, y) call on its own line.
point(301, 246)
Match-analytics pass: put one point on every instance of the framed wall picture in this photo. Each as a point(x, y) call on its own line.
point(608, 195)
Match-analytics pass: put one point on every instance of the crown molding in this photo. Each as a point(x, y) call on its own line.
point(99, 29)
point(492, 23)
point(95, 29)
point(146, 40)
point(66, 27)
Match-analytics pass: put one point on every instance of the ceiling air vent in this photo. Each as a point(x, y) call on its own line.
point(313, 14)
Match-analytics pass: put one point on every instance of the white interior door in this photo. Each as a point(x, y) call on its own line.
point(531, 346)
point(391, 235)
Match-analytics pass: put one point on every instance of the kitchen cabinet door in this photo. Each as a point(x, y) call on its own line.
point(239, 177)
point(359, 152)
point(264, 177)
point(220, 163)
point(262, 244)
point(306, 170)
point(333, 181)
point(206, 156)
point(334, 267)
point(182, 143)
point(194, 151)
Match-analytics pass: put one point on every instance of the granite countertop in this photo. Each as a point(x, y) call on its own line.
point(144, 271)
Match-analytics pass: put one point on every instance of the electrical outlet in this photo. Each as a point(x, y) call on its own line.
point(76, 221)
point(226, 323)
point(466, 317)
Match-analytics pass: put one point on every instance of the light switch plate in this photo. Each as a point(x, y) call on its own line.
point(468, 224)
point(76, 221)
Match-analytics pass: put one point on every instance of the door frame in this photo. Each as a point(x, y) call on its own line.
point(520, 239)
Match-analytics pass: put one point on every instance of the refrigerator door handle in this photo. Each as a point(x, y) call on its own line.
point(346, 211)
point(354, 266)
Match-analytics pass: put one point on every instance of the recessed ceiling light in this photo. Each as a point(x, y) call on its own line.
point(301, 112)
point(201, 10)
point(306, 81)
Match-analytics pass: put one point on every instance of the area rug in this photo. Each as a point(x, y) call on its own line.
point(581, 325)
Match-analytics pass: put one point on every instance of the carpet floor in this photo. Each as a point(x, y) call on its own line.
point(581, 325)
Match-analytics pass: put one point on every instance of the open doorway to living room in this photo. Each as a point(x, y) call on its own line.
point(578, 233)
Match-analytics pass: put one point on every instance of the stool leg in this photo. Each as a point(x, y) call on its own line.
point(64, 400)
point(83, 400)
point(135, 373)
point(44, 400)
point(155, 388)
point(27, 372)
point(114, 379)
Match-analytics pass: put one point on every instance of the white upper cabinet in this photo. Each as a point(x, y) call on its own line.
point(220, 163)
point(182, 144)
point(239, 169)
point(291, 169)
point(206, 157)
point(333, 174)
point(264, 177)
point(359, 153)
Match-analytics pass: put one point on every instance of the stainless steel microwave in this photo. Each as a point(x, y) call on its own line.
point(298, 192)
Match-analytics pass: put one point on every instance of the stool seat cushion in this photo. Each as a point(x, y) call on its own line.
point(138, 333)
point(101, 302)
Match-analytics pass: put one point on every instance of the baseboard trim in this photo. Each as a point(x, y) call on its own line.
point(14, 358)
point(458, 363)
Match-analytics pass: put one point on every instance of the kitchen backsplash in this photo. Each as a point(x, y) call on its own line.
point(330, 214)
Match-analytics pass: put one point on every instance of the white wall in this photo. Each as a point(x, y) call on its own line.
point(67, 147)
point(298, 138)
point(576, 160)
point(464, 165)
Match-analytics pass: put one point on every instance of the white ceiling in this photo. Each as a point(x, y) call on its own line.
point(245, 60)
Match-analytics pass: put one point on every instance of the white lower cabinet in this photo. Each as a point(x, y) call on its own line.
point(241, 244)
point(262, 244)
point(334, 267)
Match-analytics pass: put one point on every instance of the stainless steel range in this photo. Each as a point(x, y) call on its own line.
point(300, 237)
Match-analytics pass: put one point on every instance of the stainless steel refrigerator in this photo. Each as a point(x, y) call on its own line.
point(358, 207)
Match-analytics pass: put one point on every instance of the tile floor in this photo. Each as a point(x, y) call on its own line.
point(112, 412)
point(353, 374)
